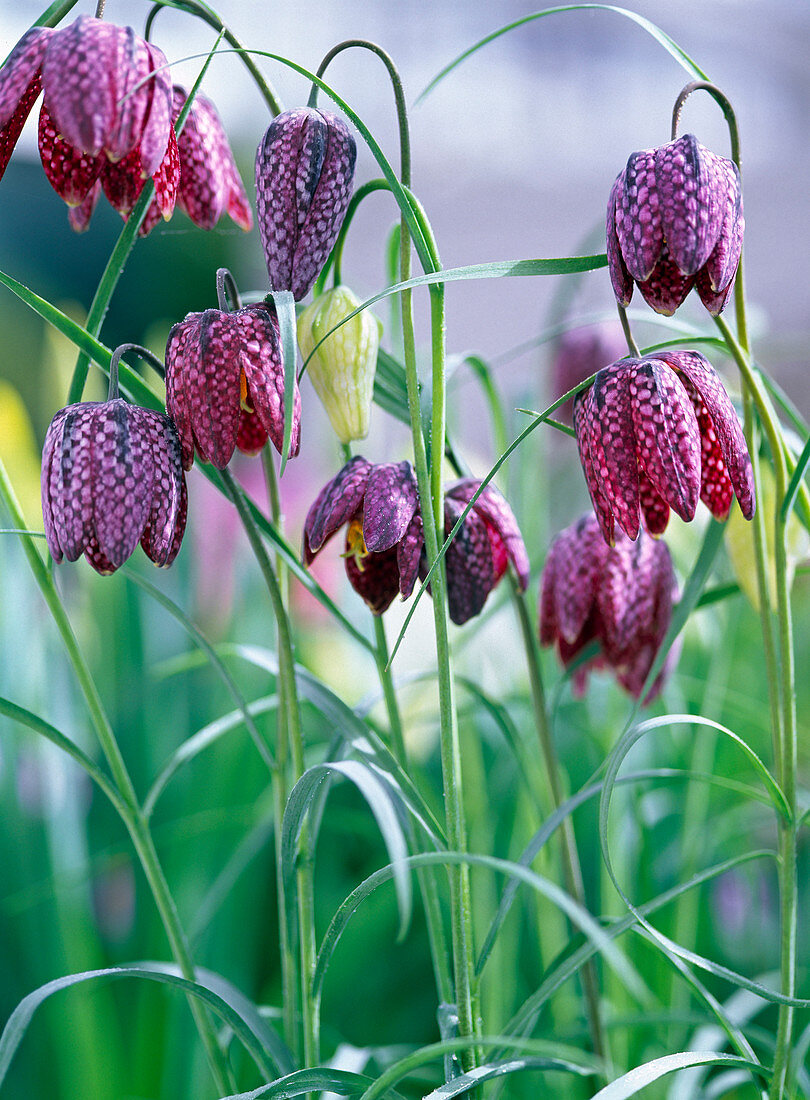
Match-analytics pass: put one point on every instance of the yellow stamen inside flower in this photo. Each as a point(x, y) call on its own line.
point(243, 392)
point(356, 544)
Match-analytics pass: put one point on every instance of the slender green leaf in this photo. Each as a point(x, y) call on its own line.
point(683, 59)
point(200, 740)
point(285, 311)
point(26, 718)
point(629, 1084)
point(468, 1081)
point(213, 657)
point(380, 798)
point(258, 1038)
point(322, 1079)
point(795, 481)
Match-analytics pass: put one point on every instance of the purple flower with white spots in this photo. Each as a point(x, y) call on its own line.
point(112, 477)
point(488, 541)
point(225, 384)
point(674, 222)
point(658, 433)
point(304, 175)
point(380, 504)
point(618, 596)
point(107, 99)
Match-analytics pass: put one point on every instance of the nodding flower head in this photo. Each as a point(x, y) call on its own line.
point(484, 546)
point(618, 596)
point(675, 221)
point(380, 506)
point(658, 433)
point(107, 96)
point(304, 175)
point(225, 384)
point(111, 478)
point(198, 173)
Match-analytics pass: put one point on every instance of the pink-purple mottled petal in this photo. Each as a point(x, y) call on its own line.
point(667, 436)
point(620, 277)
point(123, 479)
point(654, 509)
point(470, 571)
point(158, 121)
point(72, 479)
point(638, 215)
point(613, 442)
point(70, 172)
point(491, 505)
point(261, 359)
point(685, 181)
point(79, 81)
point(79, 216)
point(582, 414)
point(409, 554)
point(51, 453)
point(10, 132)
point(378, 579)
point(21, 73)
point(391, 499)
point(340, 500)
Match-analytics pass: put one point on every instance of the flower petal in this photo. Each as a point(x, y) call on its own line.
point(78, 78)
point(378, 581)
point(573, 565)
point(613, 442)
point(391, 499)
point(667, 436)
point(161, 436)
point(79, 216)
point(261, 359)
point(692, 366)
point(50, 480)
point(727, 196)
point(154, 139)
point(409, 555)
point(638, 215)
point(338, 502)
point(620, 277)
point(203, 146)
point(177, 402)
point(687, 176)
point(470, 572)
point(500, 519)
point(70, 172)
point(123, 182)
point(582, 414)
point(123, 481)
point(132, 97)
point(667, 287)
point(654, 508)
point(19, 75)
point(251, 436)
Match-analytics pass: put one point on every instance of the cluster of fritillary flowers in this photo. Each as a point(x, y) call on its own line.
point(656, 433)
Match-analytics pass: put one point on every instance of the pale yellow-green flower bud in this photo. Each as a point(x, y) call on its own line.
point(342, 369)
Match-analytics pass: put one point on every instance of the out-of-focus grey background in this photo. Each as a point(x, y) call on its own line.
point(515, 153)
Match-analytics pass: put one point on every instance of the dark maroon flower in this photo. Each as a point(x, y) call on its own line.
point(580, 353)
point(107, 96)
point(112, 477)
point(304, 174)
point(618, 596)
point(380, 504)
point(675, 221)
point(225, 384)
point(659, 433)
point(482, 549)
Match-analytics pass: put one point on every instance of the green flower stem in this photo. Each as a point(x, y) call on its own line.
point(787, 757)
point(290, 981)
point(628, 335)
point(128, 808)
point(425, 875)
point(289, 694)
point(570, 855)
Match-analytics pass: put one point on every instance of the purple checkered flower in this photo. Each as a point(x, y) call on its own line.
point(225, 384)
point(617, 596)
point(112, 477)
point(380, 504)
point(106, 98)
point(487, 542)
point(658, 433)
point(675, 221)
point(304, 174)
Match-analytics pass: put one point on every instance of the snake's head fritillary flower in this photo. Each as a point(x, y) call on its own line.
point(106, 92)
point(674, 222)
point(488, 541)
point(225, 384)
point(658, 433)
point(380, 506)
point(304, 175)
point(618, 596)
point(343, 366)
point(112, 477)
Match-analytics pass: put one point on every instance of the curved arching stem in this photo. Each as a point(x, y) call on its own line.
point(143, 353)
point(723, 102)
point(228, 298)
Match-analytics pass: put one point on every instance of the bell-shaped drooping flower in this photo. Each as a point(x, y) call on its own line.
point(658, 433)
point(380, 504)
point(225, 384)
point(675, 221)
point(107, 96)
point(581, 352)
point(304, 174)
point(343, 366)
point(488, 540)
point(112, 477)
point(618, 596)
